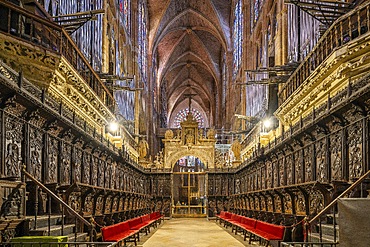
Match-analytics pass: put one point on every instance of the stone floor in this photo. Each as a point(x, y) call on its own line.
point(192, 232)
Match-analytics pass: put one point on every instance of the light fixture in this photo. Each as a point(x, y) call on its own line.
point(267, 123)
point(113, 126)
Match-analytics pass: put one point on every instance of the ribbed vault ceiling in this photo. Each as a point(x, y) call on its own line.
point(189, 39)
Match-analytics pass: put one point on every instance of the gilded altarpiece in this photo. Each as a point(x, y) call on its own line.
point(189, 142)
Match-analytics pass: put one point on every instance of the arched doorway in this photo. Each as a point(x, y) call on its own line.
point(189, 188)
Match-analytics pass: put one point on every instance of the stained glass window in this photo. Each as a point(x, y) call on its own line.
point(189, 164)
point(237, 36)
point(142, 41)
point(181, 116)
point(125, 10)
point(257, 8)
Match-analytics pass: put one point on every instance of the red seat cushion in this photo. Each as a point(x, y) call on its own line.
point(248, 222)
point(235, 219)
point(134, 222)
point(145, 218)
point(227, 215)
point(269, 231)
point(117, 232)
point(155, 216)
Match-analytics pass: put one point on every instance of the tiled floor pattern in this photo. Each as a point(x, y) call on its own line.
point(192, 232)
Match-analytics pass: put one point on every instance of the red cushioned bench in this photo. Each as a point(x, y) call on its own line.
point(224, 217)
point(156, 216)
point(268, 232)
point(247, 225)
point(220, 216)
point(243, 224)
point(234, 221)
point(120, 232)
point(146, 219)
point(138, 224)
point(257, 230)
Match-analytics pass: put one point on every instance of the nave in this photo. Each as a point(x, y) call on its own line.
point(195, 232)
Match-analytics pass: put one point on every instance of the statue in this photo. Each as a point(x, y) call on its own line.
point(190, 137)
point(211, 134)
point(236, 148)
point(143, 147)
point(168, 134)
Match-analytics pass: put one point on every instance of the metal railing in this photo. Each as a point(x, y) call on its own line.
point(44, 33)
point(90, 226)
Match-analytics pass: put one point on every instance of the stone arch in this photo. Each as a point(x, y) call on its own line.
point(199, 153)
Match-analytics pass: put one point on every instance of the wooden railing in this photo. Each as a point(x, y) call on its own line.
point(350, 188)
point(346, 28)
point(39, 31)
point(61, 202)
point(331, 205)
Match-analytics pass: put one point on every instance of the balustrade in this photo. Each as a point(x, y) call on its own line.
point(348, 27)
point(23, 25)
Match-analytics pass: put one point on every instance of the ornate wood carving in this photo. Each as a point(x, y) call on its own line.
point(300, 203)
point(13, 146)
point(354, 142)
point(282, 171)
point(288, 203)
point(270, 203)
point(77, 165)
point(298, 166)
point(307, 154)
point(336, 156)
point(94, 170)
point(65, 163)
point(289, 168)
point(278, 203)
point(269, 174)
point(321, 160)
point(36, 147)
point(316, 200)
point(74, 200)
point(51, 171)
point(12, 200)
point(86, 162)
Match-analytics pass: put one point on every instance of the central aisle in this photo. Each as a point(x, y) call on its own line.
point(194, 232)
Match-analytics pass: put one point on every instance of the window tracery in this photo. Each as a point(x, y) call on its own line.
point(181, 116)
point(257, 6)
point(125, 10)
point(142, 41)
point(237, 36)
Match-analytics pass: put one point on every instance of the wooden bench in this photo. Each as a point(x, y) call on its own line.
point(156, 216)
point(128, 231)
point(246, 225)
point(120, 232)
point(140, 224)
point(148, 221)
point(268, 232)
point(224, 217)
point(257, 230)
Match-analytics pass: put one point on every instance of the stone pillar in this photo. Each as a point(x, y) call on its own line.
point(283, 36)
point(150, 108)
point(229, 94)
